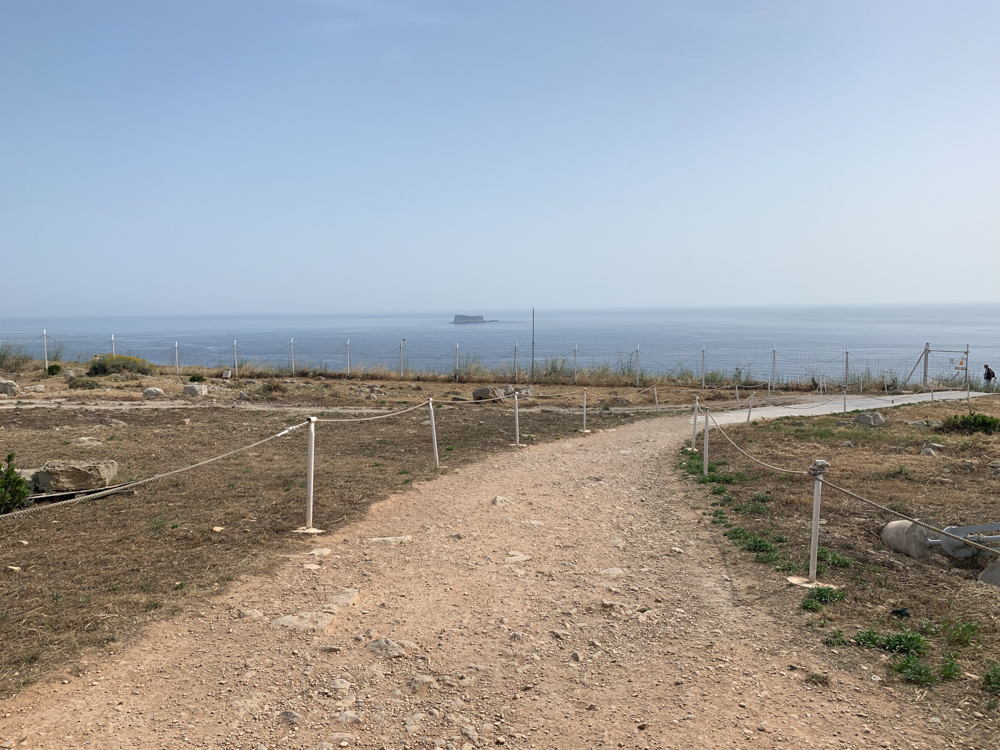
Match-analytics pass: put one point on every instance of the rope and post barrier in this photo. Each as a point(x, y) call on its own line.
point(310, 473)
point(817, 470)
point(434, 436)
point(517, 423)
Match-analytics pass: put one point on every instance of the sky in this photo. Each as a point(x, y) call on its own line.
point(330, 156)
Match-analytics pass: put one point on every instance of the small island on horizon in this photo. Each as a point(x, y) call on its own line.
point(462, 319)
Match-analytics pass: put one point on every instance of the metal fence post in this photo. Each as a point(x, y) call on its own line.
point(575, 348)
point(456, 362)
point(434, 435)
point(348, 358)
point(291, 348)
point(236, 361)
point(817, 470)
point(927, 356)
point(703, 368)
point(532, 345)
point(694, 427)
point(401, 358)
point(636, 365)
point(847, 373)
point(177, 360)
point(774, 363)
point(656, 400)
point(737, 395)
point(113, 351)
point(45, 349)
point(584, 409)
point(704, 448)
point(310, 469)
point(515, 362)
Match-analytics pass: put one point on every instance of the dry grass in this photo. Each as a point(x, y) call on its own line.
point(94, 573)
point(954, 487)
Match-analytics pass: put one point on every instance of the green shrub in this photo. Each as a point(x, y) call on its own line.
point(868, 638)
point(836, 638)
point(54, 369)
point(906, 642)
point(197, 378)
point(811, 605)
point(85, 384)
point(914, 670)
point(271, 387)
point(106, 364)
point(991, 679)
point(13, 489)
point(960, 633)
point(950, 668)
point(826, 594)
point(971, 423)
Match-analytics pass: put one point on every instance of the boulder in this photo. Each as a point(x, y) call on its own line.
point(195, 389)
point(934, 423)
point(68, 476)
point(527, 391)
point(916, 423)
point(994, 467)
point(870, 419)
point(36, 388)
point(492, 392)
point(153, 393)
point(9, 388)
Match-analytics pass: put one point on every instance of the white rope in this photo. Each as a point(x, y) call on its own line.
point(377, 416)
point(139, 483)
point(776, 468)
point(838, 397)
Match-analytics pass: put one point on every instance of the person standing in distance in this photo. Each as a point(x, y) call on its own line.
point(989, 376)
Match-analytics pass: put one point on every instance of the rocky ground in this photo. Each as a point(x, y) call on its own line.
point(567, 595)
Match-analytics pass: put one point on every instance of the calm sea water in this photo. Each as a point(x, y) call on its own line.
point(432, 336)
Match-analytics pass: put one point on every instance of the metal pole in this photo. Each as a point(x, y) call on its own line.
point(816, 470)
point(309, 473)
point(845, 399)
point(847, 372)
point(575, 347)
point(401, 359)
point(968, 394)
point(517, 423)
point(774, 364)
point(113, 345)
point(177, 360)
point(532, 345)
point(768, 392)
point(434, 434)
point(737, 395)
point(703, 368)
point(236, 362)
point(656, 401)
point(292, 350)
point(636, 365)
point(584, 409)
point(704, 448)
point(348, 358)
point(456, 362)
point(694, 427)
point(750, 407)
point(45, 348)
point(927, 352)
point(515, 362)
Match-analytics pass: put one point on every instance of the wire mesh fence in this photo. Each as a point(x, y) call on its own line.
point(869, 368)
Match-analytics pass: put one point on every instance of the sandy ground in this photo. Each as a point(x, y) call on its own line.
point(592, 609)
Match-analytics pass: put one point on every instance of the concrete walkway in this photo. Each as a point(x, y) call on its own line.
point(836, 406)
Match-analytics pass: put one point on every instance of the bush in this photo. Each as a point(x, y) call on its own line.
point(197, 378)
point(13, 356)
point(54, 369)
point(85, 384)
point(106, 364)
point(913, 669)
point(13, 489)
point(972, 423)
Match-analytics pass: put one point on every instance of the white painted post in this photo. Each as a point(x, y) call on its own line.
point(750, 407)
point(515, 362)
point(310, 469)
point(704, 448)
point(694, 427)
point(575, 348)
point(456, 362)
point(656, 400)
point(816, 470)
point(703, 368)
point(236, 361)
point(584, 409)
point(774, 365)
point(292, 350)
point(737, 395)
point(348, 358)
point(927, 356)
point(401, 358)
point(45, 349)
point(177, 360)
point(517, 423)
point(768, 392)
point(434, 435)
point(113, 346)
point(636, 365)
point(847, 372)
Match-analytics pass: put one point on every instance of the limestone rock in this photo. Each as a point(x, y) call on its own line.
point(9, 388)
point(390, 541)
point(927, 451)
point(916, 423)
point(491, 392)
point(516, 557)
point(994, 467)
point(195, 389)
point(36, 388)
point(86, 441)
point(386, 647)
point(153, 393)
point(501, 500)
point(69, 476)
point(341, 739)
point(870, 419)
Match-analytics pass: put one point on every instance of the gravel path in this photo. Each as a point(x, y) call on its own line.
point(567, 595)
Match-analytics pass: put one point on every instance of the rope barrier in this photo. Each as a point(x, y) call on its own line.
point(377, 416)
point(141, 482)
point(776, 468)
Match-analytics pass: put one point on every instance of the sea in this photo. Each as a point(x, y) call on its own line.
point(661, 341)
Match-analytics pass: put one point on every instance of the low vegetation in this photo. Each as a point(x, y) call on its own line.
point(13, 488)
point(108, 364)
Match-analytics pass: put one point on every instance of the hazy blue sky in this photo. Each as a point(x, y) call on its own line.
point(359, 155)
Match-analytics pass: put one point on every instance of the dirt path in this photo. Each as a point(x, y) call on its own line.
point(591, 610)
